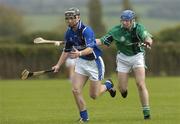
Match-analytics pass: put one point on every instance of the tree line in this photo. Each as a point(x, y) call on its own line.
point(13, 30)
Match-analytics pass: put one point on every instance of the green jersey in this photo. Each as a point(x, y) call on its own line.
point(127, 41)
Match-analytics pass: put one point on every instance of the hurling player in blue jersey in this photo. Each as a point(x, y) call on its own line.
point(80, 43)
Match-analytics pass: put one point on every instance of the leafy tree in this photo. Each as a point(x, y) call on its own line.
point(11, 22)
point(95, 17)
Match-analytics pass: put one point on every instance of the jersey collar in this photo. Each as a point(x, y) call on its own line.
point(79, 24)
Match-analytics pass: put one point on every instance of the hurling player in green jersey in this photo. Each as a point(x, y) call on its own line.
point(130, 39)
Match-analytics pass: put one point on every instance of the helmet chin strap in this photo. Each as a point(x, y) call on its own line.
point(132, 23)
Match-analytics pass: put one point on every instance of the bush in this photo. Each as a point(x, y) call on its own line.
point(162, 60)
point(169, 35)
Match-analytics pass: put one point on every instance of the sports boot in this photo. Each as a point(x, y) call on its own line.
point(111, 90)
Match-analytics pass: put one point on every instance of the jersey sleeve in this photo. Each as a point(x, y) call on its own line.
point(107, 39)
point(143, 33)
point(89, 37)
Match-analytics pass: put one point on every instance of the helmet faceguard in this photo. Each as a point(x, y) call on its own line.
point(72, 13)
point(127, 15)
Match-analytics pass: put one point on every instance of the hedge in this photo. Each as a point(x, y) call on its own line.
point(162, 60)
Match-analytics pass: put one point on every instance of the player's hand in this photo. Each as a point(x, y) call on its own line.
point(74, 54)
point(58, 43)
point(147, 45)
point(56, 68)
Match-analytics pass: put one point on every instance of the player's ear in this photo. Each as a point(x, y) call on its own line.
point(133, 20)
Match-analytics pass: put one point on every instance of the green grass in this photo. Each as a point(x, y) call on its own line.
point(51, 102)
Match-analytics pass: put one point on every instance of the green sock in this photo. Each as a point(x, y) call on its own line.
point(146, 110)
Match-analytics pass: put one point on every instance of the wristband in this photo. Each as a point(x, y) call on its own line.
point(80, 53)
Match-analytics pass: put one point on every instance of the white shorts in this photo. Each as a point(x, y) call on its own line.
point(70, 62)
point(94, 69)
point(126, 63)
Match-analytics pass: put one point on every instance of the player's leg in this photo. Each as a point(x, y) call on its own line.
point(139, 72)
point(143, 92)
point(78, 83)
point(71, 71)
point(123, 83)
point(70, 64)
point(97, 88)
point(96, 74)
point(123, 68)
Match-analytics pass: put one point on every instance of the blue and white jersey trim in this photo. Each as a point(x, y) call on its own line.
point(100, 65)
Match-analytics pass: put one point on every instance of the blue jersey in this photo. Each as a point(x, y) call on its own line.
point(80, 39)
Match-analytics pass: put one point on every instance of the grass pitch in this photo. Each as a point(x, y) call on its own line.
point(51, 102)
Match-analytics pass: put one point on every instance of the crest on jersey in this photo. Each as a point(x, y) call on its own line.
point(122, 39)
point(71, 39)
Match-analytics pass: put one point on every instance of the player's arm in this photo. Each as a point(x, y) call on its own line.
point(61, 60)
point(89, 39)
point(63, 57)
point(106, 40)
point(86, 51)
point(145, 36)
point(76, 53)
point(88, 35)
point(98, 42)
point(148, 40)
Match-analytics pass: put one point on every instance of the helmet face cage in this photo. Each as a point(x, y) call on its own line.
point(127, 15)
point(72, 13)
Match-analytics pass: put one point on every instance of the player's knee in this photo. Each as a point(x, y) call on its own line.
point(141, 86)
point(75, 91)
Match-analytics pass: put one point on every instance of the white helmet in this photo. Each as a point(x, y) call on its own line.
point(72, 12)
